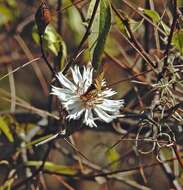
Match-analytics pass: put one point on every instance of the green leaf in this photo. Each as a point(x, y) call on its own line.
point(29, 145)
point(179, 3)
point(135, 25)
point(156, 18)
point(120, 25)
point(53, 42)
point(95, 27)
point(110, 47)
point(35, 35)
point(165, 27)
point(99, 30)
point(12, 3)
point(5, 129)
point(7, 185)
point(75, 23)
point(52, 39)
point(62, 54)
point(5, 15)
point(34, 142)
point(51, 167)
point(112, 156)
point(177, 40)
point(152, 14)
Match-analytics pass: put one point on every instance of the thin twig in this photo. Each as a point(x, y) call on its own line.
point(70, 5)
point(135, 9)
point(168, 46)
point(12, 89)
point(27, 106)
point(36, 67)
point(45, 57)
point(59, 16)
point(107, 174)
point(130, 70)
point(147, 29)
point(179, 158)
point(23, 182)
point(63, 182)
point(20, 67)
point(129, 78)
point(87, 33)
point(132, 38)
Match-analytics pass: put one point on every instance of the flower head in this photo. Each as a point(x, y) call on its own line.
point(87, 97)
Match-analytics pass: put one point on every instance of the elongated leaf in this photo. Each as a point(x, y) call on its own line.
point(5, 129)
point(99, 31)
point(135, 25)
point(155, 18)
point(7, 185)
point(53, 42)
point(75, 23)
point(177, 40)
point(29, 145)
point(95, 27)
point(152, 14)
point(50, 166)
point(35, 35)
point(120, 25)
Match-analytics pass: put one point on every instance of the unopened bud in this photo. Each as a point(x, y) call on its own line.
point(42, 17)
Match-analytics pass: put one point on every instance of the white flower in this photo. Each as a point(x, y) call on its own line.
point(87, 97)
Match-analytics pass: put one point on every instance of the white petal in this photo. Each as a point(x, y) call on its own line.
point(103, 83)
point(108, 93)
point(62, 93)
point(65, 82)
point(72, 103)
point(103, 115)
point(108, 108)
point(111, 105)
point(84, 73)
point(90, 76)
point(88, 118)
point(75, 114)
point(87, 77)
point(114, 102)
point(76, 75)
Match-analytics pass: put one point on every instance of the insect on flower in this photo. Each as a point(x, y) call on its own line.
point(87, 97)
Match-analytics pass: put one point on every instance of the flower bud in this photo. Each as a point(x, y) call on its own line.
point(42, 17)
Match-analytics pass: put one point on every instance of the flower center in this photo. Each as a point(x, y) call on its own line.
point(91, 98)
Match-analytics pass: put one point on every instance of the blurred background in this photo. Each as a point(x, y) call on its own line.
point(85, 158)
